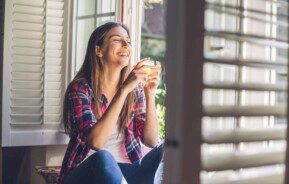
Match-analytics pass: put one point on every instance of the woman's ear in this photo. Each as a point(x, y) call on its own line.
point(98, 52)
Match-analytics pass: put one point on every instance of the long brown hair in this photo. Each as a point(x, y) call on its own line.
point(91, 71)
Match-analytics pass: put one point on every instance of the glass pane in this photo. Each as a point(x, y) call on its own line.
point(105, 6)
point(82, 39)
point(103, 20)
point(85, 7)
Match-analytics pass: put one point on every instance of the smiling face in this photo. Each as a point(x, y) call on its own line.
point(116, 48)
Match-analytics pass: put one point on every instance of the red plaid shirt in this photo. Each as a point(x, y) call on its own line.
point(81, 100)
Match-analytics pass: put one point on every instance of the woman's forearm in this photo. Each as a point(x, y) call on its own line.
point(151, 129)
point(103, 129)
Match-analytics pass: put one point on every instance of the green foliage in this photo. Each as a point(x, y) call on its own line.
point(161, 109)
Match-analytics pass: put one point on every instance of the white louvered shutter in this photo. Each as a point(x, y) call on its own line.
point(245, 92)
point(53, 62)
point(33, 73)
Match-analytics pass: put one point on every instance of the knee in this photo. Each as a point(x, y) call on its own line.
point(102, 154)
point(160, 149)
point(102, 157)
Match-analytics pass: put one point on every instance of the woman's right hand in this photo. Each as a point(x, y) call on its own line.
point(136, 76)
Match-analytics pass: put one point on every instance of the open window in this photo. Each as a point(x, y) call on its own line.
point(44, 47)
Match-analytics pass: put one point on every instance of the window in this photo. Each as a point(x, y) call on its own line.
point(90, 14)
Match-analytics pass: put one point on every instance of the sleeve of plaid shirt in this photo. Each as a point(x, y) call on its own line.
point(82, 111)
point(140, 111)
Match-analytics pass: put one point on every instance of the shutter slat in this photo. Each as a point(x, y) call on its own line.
point(53, 86)
point(19, 42)
point(232, 11)
point(52, 101)
point(37, 3)
point(54, 45)
point(27, 110)
point(54, 29)
point(244, 135)
point(53, 94)
point(54, 21)
point(55, 13)
point(26, 118)
point(55, 5)
point(237, 111)
point(255, 39)
point(21, 17)
point(21, 93)
point(23, 102)
point(26, 84)
point(249, 63)
point(54, 53)
point(259, 175)
point(54, 37)
point(26, 68)
point(28, 34)
point(23, 76)
point(243, 159)
point(28, 26)
point(27, 59)
point(53, 109)
point(29, 10)
point(245, 86)
point(53, 77)
point(53, 69)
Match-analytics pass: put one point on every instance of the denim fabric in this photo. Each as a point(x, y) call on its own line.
point(102, 168)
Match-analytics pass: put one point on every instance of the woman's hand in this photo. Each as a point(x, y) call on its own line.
point(153, 79)
point(136, 76)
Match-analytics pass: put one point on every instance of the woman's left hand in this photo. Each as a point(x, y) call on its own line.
point(153, 80)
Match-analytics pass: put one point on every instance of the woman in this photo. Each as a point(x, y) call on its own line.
point(108, 110)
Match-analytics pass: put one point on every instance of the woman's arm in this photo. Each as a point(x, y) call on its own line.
point(101, 132)
point(151, 128)
point(148, 129)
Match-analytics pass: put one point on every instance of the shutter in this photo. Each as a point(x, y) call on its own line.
point(244, 99)
point(53, 63)
point(32, 73)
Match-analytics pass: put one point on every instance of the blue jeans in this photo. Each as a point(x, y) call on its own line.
point(102, 168)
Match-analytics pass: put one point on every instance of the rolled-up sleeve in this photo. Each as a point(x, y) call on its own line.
point(82, 113)
point(140, 111)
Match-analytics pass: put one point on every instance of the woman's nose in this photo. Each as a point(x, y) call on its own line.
point(125, 43)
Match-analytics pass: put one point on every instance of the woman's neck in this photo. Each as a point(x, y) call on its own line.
point(110, 79)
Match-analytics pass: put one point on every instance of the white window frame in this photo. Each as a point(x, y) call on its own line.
point(132, 16)
point(72, 51)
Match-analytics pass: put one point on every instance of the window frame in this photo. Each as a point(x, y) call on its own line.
point(73, 33)
point(128, 12)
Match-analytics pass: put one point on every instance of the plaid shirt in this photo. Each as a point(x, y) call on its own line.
point(81, 100)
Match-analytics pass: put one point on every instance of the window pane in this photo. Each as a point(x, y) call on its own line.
point(105, 6)
point(82, 39)
point(85, 7)
point(103, 20)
